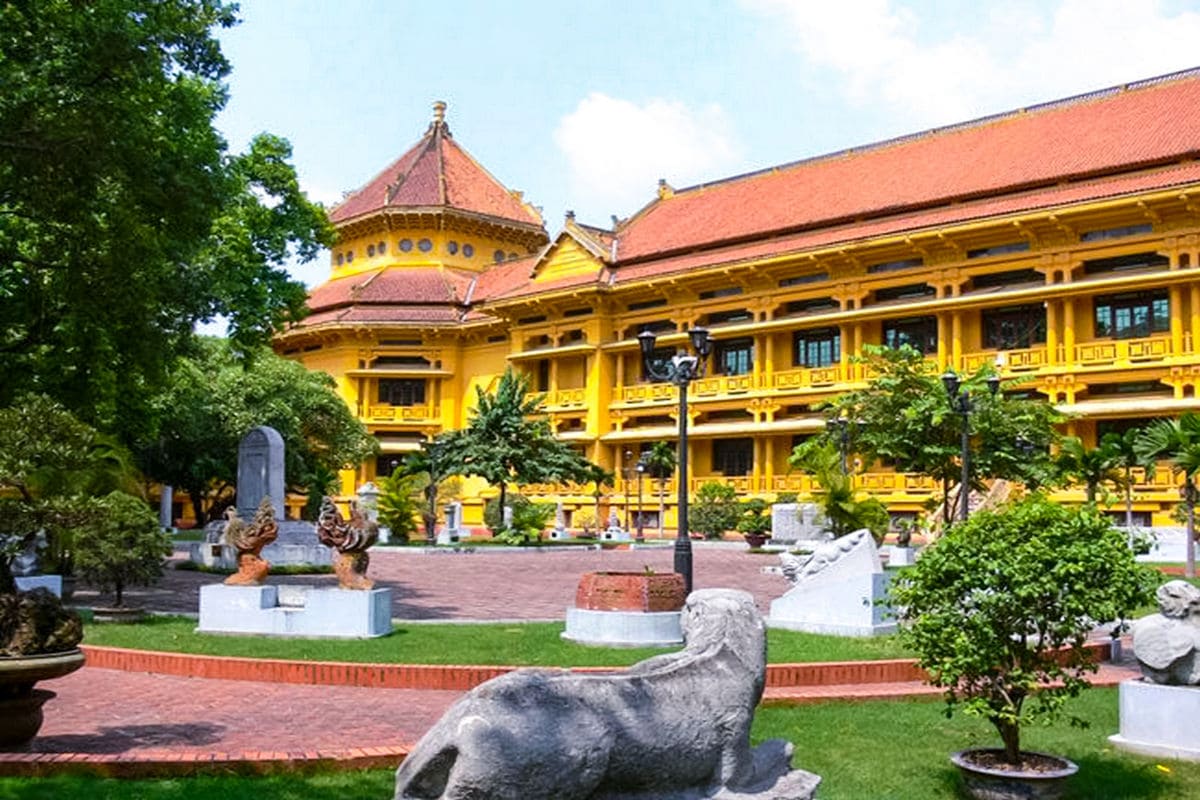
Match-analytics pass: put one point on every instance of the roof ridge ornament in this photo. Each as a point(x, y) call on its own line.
point(439, 118)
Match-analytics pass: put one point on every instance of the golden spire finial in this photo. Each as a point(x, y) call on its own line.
point(439, 112)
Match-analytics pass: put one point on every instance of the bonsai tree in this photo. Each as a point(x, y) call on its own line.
point(715, 511)
point(121, 545)
point(755, 522)
point(999, 609)
point(529, 519)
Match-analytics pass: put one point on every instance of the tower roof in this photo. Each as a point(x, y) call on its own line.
point(437, 174)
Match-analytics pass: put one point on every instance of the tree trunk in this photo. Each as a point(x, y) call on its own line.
point(1091, 492)
point(662, 506)
point(945, 501)
point(1189, 569)
point(197, 499)
point(119, 589)
point(430, 516)
point(8, 585)
point(502, 500)
point(1010, 734)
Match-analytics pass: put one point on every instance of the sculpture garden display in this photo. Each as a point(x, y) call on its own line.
point(672, 727)
point(350, 540)
point(249, 538)
point(1167, 644)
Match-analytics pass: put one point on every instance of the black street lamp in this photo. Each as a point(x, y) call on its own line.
point(842, 426)
point(640, 469)
point(628, 454)
point(960, 401)
point(681, 370)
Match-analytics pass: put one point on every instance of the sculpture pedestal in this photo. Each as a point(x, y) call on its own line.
point(295, 611)
point(27, 583)
point(623, 628)
point(842, 607)
point(1158, 720)
point(902, 556)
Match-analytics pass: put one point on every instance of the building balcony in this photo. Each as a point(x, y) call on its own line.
point(723, 385)
point(1123, 351)
point(807, 378)
point(402, 414)
point(1009, 361)
point(566, 399)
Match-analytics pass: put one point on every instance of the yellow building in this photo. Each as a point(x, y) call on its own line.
point(1059, 242)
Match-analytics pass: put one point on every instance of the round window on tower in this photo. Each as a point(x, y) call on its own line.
point(468, 250)
point(406, 245)
point(370, 250)
point(451, 247)
point(498, 256)
point(424, 245)
point(341, 259)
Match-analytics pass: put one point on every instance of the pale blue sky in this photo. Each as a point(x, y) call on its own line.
point(584, 106)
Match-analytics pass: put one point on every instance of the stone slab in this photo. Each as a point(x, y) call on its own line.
point(260, 471)
point(448, 537)
point(295, 611)
point(1170, 545)
point(614, 535)
point(902, 556)
point(1158, 720)
point(623, 628)
point(845, 607)
point(27, 583)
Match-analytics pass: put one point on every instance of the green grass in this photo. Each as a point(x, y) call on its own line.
point(525, 644)
point(887, 750)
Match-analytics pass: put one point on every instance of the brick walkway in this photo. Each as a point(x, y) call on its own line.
point(126, 723)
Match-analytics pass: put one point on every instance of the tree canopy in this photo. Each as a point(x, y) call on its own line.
point(124, 220)
point(213, 398)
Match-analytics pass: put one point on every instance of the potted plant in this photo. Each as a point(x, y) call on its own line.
point(755, 523)
point(999, 611)
point(715, 511)
point(119, 546)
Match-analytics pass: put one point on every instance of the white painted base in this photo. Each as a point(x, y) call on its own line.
point(614, 535)
point(558, 534)
point(26, 583)
point(845, 607)
point(295, 611)
point(902, 556)
point(1159, 720)
point(447, 536)
point(623, 628)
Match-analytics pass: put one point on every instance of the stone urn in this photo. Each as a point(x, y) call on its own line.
point(20, 702)
point(630, 591)
point(987, 777)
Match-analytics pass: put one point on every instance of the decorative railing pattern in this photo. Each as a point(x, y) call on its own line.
point(1123, 350)
point(402, 413)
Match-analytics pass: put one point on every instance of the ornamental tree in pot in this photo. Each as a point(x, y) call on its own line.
point(999, 611)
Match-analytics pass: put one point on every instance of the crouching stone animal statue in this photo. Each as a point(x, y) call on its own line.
point(673, 727)
point(1167, 644)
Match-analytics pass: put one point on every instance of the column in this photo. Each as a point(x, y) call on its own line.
point(1194, 303)
point(956, 334)
point(1176, 311)
point(1068, 334)
point(769, 459)
point(943, 340)
point(1051, 332)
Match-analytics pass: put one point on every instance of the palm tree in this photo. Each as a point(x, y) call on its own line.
point(600, 477)
point(1124, 449)
point(1093, 466)
point(660, 463)
point(1178, 441)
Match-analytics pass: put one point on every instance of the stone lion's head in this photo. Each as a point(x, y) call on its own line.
point(1178, 599)
point(715, 617)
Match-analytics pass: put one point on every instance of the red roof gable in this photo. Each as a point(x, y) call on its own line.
point(1156, 121)
point(436, 173)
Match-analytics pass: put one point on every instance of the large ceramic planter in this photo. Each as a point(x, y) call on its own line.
point(995, 782)
point(20, 703)
point(630, 591)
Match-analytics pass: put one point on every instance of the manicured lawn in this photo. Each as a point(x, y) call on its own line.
point(865, 751)
point(531, 643)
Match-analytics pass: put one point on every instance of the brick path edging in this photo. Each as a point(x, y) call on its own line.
point(165, 764)
point(455, 677)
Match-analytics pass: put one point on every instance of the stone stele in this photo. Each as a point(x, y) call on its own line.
point(1167, 644)
point(673, 727)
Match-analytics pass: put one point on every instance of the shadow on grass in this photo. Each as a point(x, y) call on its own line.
point(1116, 778)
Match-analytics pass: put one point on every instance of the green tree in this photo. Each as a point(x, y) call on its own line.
point(529, 519)
point(508, 439)
point(124, 220)
point(433, 472)
point(212, 400)
point(846, 509)
point(903, 417)
point(715, 511)
point(1127, 458)
point(1177, 441)
point(661, 462)
point(120, 545)
point(398, 504)
point(999, 609)
point(1093, 466)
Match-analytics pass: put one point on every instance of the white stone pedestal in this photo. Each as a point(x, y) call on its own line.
point(614, 535)
point(843, 607)
point(1159, 720)
point(305, 612)
point(902, 556)
point(623, 628)
point(447, 536)
point(27, 583)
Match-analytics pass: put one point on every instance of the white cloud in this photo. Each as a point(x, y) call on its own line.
point(617, 149)
point(925, 67)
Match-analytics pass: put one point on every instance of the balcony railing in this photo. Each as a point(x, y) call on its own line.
point(648, 393)
point(806, 378)
point(723, 384)
point(402, 413)
point(1019, 360)
point(566, 398)
point(1123, 350)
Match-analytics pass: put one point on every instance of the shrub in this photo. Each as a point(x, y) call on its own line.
point(120, 545)
point(754, 520)
point(398, 504)
point(715, 511)
point(529, 519)
point(999, 609)
point(786, 497)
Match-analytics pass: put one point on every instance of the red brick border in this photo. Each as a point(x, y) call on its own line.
point(461, 677)
point(166, 764)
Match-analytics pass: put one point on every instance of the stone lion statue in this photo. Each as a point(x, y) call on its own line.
point(1167, 643)
point(673, 727)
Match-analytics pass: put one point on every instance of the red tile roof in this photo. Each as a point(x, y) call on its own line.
point(436, 173)
point(412, 284)
point(1156, 121)
point(914, 221)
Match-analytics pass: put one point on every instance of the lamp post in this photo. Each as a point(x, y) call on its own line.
point(681, 370)
point(842, 426)
point(960, 401)
point(640, 469)
point(625, 456)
